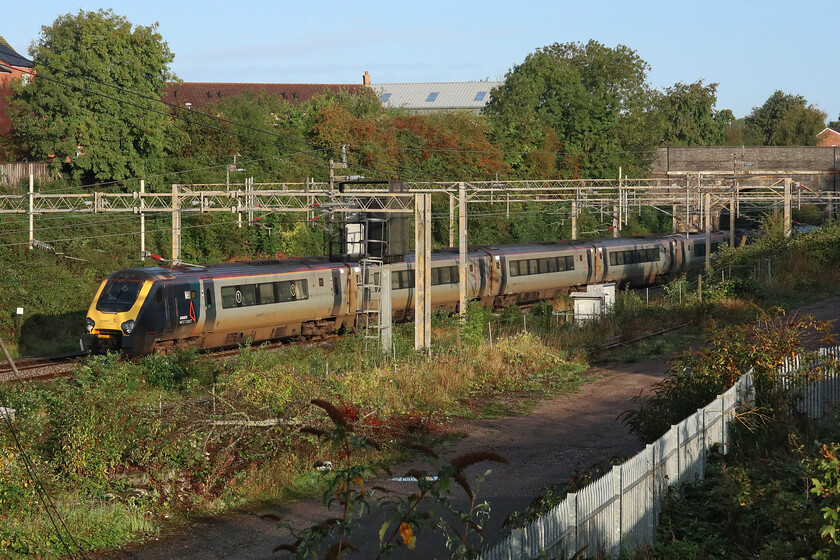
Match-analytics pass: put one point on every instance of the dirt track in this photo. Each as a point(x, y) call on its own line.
point(544, 448)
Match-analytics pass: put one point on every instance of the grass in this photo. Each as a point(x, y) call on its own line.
point(156, 416)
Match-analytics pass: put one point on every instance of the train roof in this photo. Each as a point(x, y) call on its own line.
point(224, 270)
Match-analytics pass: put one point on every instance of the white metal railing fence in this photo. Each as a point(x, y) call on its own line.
point(621, 509)
point(819, 390)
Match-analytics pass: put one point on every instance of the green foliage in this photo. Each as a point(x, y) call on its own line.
point(575, 110)
point(754, 502)
point(699, 376)
point(345, 488)
point(183, 370)
point(785, 120)
point(826, 486)
point(474, 328)
point(93, 106)
point(690, 117)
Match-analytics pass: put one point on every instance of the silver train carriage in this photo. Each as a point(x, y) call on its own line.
point(140, 310)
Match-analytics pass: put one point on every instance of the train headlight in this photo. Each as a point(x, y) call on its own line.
point(89, 324)
point(128, 326)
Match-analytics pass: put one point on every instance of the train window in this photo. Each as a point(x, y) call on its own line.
point(570, 263)
point(229, 297)
point(292, 290)
point(284, 291)
point(514, 268)
point(320, 282)
point(471, 268)
point(248, 294)
point(118, 296)
point(445, 275)
point(208, 298)
point(552, 264)
point(543, 265)
point(402, 279)
point(159, 296)
point(266, 293)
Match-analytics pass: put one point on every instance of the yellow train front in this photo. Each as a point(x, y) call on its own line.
point(141, 310)
point(131, 314)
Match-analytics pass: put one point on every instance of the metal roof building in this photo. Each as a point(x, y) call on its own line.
point(436, 96)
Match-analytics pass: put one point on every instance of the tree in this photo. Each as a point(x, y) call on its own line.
point(784, 120)
point(690, 117)
point(93, 107)
point(575, 110)
point(799, 126)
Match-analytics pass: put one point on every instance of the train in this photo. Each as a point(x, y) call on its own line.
point(138, 311)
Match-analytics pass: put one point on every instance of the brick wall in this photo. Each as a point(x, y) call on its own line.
point(815, 166)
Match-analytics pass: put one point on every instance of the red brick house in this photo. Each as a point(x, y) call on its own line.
point(198, 94)
point(828, 137)
point(13, 66)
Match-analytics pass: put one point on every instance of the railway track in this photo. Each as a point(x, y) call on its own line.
point(39, 369)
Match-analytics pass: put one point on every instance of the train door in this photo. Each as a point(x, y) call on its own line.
point(500, 270)
point(209, 305)
point(338, 289)
point(590, 265)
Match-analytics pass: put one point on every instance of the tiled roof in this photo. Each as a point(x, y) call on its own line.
point(435, 96)
point(198, 94)
point(10, 57)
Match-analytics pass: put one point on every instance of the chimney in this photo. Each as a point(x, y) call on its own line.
point(366, 79)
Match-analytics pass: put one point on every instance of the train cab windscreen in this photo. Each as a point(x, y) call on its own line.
point(118, 295)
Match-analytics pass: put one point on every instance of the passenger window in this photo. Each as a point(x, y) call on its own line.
point(229, 297)
point(249, 295)
point(284, 292)
point(267, 295)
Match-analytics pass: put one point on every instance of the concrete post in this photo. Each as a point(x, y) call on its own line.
point(386, 316)
point(31, 208)
point(707, 199)
point(422, 271)
point(176, 224)
point(142, 221)
point(462, 251)
point(787, 204)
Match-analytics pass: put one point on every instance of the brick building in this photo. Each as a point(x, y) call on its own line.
point(13, 66)
point(828, 137)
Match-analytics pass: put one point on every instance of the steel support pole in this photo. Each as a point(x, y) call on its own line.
point(31, 208)
point(574, 217)
point(462, 251)
point(386, 316)
point(142, 221)
point(787, 203)
point(422, 271)
point(732, 219)
point(249, 199)
point(176, 224)
point(707, 199)
point(452, 220)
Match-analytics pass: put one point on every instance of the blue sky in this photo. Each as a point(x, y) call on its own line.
point(749, 48)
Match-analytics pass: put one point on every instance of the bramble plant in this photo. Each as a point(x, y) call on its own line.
point(827, 488)
point(345, 486)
